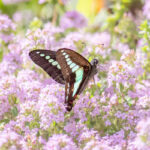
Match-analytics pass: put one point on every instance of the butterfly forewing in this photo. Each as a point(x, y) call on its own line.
point(46, 59)
point(75, 69)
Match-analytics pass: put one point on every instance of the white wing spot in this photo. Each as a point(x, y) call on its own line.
point(75, 68)
point(54, 63)
point(58, 66)
point(42, 55)
point(66, 56)
point(64, 53)
point(47, 57)
point(51, 60)
point(72, 65)
point(69, 62)
point(68, 59)
point(67, 97)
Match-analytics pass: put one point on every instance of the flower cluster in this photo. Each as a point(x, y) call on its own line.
point(6, 26)
point(73, 19)
point(146, 9)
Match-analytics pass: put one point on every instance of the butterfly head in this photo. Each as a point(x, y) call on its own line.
point(94, 64)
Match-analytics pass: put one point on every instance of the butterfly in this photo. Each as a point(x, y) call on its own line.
point(67, 67)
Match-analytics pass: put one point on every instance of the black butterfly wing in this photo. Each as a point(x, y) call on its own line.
point(75, 69)
point(46, 59)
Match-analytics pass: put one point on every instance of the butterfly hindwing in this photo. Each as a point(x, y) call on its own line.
point(46, 59)
point(68, 96)
point(75, 69)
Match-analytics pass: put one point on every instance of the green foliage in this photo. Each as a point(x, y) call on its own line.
point(145, 35)
point(123, 31)
point(12, 8)
point(1, 55)
point(35, 24)
point(49, 11)
point(120, 25)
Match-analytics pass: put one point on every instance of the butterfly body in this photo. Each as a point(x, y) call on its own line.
point(66, 67)
point(90, 75)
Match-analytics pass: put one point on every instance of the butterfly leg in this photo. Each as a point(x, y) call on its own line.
point(69, 106)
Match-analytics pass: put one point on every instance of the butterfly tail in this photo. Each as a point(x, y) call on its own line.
point(69, 106)
point(68, 96)
point(69, 103)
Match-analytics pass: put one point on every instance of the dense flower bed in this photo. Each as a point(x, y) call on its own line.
point(112, 114)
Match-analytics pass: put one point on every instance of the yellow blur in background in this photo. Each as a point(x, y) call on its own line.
point(90, 8)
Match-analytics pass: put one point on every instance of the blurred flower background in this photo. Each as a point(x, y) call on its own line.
point(114, 113)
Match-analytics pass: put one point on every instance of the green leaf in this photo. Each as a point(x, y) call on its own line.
point(1, 55)
point(36, 23)
point(14, 111)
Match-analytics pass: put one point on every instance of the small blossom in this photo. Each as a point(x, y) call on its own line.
point(95, 145)
point(60, 141)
